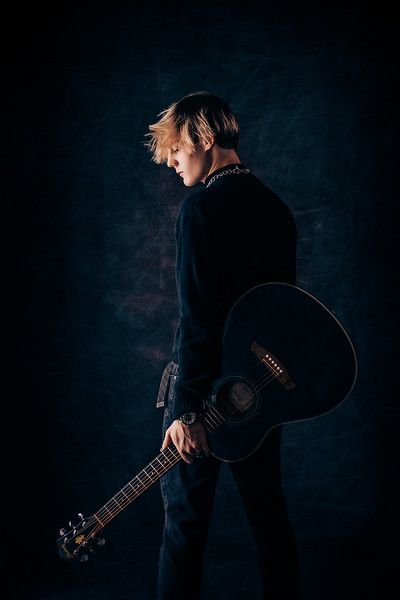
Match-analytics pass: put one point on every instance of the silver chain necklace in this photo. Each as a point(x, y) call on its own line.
point(236, 171)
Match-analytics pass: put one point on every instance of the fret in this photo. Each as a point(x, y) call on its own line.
point(116, 501)
point(165, 459)
point(143, 472)
point(125, 488)
point(123, 496)
point(169, 449)
point(135, 484)
point(152, 471)
point(103, 515)
point(165, 463)
point(155, 466)
point(161, 465)
point(98, 520)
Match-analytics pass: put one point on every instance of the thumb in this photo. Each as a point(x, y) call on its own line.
point(166, 441)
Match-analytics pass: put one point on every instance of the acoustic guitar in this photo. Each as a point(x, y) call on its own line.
point(285, 358)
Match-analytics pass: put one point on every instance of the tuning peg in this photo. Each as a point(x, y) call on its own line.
point(100, 542)
point(73, 522)
point(84, 558)
point(63, 531)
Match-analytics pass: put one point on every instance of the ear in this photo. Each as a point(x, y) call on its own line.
point(208, 144)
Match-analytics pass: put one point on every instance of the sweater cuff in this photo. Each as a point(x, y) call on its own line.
point(184, 404)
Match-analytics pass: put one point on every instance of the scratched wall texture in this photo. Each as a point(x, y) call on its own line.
point(95, 288)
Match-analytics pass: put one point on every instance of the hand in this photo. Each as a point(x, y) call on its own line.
point(187, 439)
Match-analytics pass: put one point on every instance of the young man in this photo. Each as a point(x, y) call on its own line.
point(231, 234)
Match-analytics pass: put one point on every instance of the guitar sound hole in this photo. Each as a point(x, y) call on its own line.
point(236, 400)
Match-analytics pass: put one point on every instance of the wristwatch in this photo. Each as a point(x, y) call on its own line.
point(188, 418)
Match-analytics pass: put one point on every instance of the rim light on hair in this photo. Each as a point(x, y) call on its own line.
point(197, 117)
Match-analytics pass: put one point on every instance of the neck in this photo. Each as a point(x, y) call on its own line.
point(218, 163)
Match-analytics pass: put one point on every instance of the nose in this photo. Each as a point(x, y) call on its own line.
point(170, 160)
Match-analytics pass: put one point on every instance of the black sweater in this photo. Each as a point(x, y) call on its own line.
point(230, 236)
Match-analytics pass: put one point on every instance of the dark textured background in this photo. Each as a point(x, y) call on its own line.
point(91, 253)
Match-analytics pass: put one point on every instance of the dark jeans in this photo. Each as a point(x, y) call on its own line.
point(188, 495)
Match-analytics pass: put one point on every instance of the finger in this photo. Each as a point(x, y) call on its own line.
point(186, 450)
point(167, 441)
point(186, 457)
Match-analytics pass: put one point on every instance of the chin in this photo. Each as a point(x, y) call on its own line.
point(191, 182)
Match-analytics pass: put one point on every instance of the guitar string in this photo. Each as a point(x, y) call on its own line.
point(265, 379)
point(142, 486)
point(268, 375)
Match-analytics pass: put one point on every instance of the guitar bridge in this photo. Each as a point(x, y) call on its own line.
point(273, 364)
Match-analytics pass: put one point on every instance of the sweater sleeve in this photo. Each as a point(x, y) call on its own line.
point(200, 321)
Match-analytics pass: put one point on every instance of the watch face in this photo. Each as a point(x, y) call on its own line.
point(188, 418)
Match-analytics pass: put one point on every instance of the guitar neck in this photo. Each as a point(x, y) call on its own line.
point(149, 475)
point(139, 484)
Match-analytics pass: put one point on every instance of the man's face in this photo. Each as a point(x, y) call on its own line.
point(193, 168)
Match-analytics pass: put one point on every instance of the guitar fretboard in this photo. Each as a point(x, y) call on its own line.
point(136, 486)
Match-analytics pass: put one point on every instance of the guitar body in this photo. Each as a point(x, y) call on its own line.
point(304, 339)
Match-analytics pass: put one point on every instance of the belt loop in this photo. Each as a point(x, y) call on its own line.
point(164, 385)
point(175, 368)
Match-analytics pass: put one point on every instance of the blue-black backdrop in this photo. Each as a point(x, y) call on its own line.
point(91, 262)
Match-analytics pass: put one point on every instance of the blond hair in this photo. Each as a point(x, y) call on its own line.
point(194, 118)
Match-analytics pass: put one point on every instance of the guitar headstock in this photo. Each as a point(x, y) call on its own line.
point(81, 540)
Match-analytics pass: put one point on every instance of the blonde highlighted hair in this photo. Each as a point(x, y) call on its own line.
point(194, 118)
